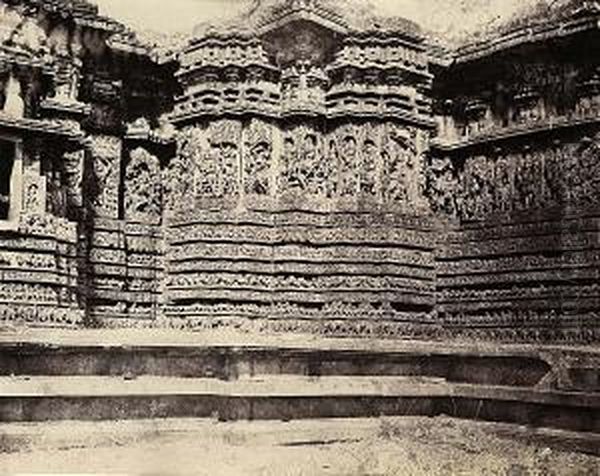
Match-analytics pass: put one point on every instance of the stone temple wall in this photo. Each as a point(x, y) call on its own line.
point(517, 170)
point(287, 175)
point(42, 164)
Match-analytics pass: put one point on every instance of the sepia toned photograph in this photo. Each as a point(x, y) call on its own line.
point(299, 237)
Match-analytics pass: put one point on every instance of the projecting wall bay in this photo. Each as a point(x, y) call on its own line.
point(39, 276)
point(128, 270)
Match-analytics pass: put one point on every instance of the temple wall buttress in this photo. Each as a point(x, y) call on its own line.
point(38, 253)
point(271, 226)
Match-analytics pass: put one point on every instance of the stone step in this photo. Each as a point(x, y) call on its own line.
point(271, 386)
point(289, 397)
point(233, 355)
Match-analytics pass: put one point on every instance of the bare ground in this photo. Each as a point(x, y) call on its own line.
point(377, 447)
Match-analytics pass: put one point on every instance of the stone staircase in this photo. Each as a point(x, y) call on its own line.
point(96, 375)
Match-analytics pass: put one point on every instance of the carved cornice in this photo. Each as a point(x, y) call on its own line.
point(142, 132)
point(302, 10)
point(42, 126)
point(66, 106)
point(516, 131)
point(16, 56)
point(584, 19)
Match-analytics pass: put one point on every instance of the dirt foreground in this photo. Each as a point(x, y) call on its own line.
point(370, 447)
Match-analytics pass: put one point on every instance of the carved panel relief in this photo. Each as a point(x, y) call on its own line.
point(258, 159)
point(56, 199)
point(179, 176)
point(302, 166)
point(348, 140)
point(106, 156)
point(219, 168)
point(143, 198)
point(307, 174)
point(442, 187)
point(74, 163)
point(521, 179)
point(34, 192)
point(370, 172)
point(404, 177)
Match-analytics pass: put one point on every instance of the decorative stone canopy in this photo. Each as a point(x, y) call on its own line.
point(305, 57)
point(342, 17)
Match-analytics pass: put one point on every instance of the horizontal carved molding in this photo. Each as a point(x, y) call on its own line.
point(295, 218)
point(517, 293)
point(331, 236)
point(533, 302)
point(269, 267)
point(31, 315)
point(405, 295)
point(352, 254)
point(566, 275)
point(567, 259)
point(285, 310)
point(34, 276)
point(327, 328)
point(513, 132)
point(126, 296)
point(316, 283)
point(553, 243)
point(556, 224)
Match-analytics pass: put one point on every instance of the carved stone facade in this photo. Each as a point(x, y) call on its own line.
point(285, 173)
point(515, 166)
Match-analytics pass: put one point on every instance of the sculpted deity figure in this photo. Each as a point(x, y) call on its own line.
point(56, 194)
point(348, 165)
point(414, 177)
point(258, 170)
point(228, 162)
point(527, 180)
point(289, 179)
point(143, 197)
point(208, 182)
point(369, 178)
point(311, 162)
point(398, 158)
point(586, 174)
point(443, 187)
point(477, 200)
point(106, 160)
point(504, 184)
point(325, 173)
point(179, 177)
point(553, 176)
point(14, 105)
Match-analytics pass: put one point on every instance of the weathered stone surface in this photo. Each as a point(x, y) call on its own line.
point(303, 169)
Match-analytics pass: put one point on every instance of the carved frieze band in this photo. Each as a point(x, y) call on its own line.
point(560, 174)
point(258, 165)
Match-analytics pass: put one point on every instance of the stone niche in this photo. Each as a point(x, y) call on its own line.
point(10, 181)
